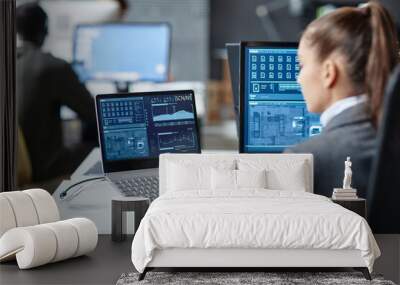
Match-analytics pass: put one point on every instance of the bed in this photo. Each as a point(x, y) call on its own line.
point(246, 211)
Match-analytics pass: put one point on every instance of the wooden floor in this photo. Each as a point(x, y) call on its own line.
point(103, 266)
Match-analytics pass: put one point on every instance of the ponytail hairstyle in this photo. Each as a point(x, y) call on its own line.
point(367, 39)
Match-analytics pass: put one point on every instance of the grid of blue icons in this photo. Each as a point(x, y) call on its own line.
point(120, 109)
point(273, 74)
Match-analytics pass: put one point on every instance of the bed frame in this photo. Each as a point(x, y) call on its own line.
point(242, 259)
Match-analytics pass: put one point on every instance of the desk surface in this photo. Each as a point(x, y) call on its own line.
point(93, 201)
point(102, 266)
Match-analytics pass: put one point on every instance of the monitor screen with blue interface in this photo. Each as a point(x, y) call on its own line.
point(122, 52)
point(274, 115)
point(144, 126)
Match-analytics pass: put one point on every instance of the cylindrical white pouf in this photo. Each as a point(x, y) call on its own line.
point(7, 218)
point(23, 208)
point(87, 235)
point(45, 205)
point(33, 246)
point(67, 240)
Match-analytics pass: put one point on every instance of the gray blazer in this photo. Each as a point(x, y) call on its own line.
point(350, 133)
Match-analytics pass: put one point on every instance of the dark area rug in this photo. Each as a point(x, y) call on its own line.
point(273, 278)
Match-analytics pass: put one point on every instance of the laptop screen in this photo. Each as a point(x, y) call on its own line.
point(274, 113)
point(140, 126)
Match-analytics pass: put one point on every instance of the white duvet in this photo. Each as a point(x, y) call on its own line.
point(250, 219)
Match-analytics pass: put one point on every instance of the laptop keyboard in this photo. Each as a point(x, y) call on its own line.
point(143, 186)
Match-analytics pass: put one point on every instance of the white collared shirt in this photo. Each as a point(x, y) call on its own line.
point(341, 105)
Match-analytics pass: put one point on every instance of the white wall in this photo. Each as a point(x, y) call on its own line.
point(189, 20)
point(64, 15)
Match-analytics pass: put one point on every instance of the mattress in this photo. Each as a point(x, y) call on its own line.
point(250, 219)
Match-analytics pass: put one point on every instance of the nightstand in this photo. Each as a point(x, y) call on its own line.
point(138, 205)
point(358, 206)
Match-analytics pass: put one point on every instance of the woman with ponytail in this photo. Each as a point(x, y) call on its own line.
point(345, 59)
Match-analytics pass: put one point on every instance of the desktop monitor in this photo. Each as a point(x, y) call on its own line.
point(273, 113)
point(135, 128)
point(233, 50)
point(122, 52)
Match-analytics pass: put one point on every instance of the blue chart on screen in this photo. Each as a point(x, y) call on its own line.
point(171, 140)
point(172, 111)
point(145, 126)
point(275, 115)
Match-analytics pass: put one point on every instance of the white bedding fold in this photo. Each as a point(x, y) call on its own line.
point(250, 219)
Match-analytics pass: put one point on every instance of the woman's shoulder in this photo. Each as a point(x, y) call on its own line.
point(314, 144)
point(352, 139)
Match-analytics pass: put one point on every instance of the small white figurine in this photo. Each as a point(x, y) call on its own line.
point(347, 174)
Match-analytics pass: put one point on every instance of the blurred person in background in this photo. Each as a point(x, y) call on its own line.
point(44, 83)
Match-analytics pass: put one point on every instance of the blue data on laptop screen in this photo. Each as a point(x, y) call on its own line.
point(275, 114)
point(146, 126)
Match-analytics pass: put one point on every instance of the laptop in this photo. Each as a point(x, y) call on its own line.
point(135, 128)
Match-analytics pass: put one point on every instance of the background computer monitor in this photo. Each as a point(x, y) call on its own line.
point(122, 52)
point(273, 113)
point(234, 69)
point(142, 125)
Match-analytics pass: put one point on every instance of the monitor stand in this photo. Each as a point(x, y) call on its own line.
point(122, 86)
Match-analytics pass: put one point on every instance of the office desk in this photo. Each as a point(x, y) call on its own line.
point(94, 201)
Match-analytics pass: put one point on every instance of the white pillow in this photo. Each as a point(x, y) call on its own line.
point(288, 175)
point(193, 175)
point(223, 179)
point(227, 179)
point(251, 179)
point(183, 177)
